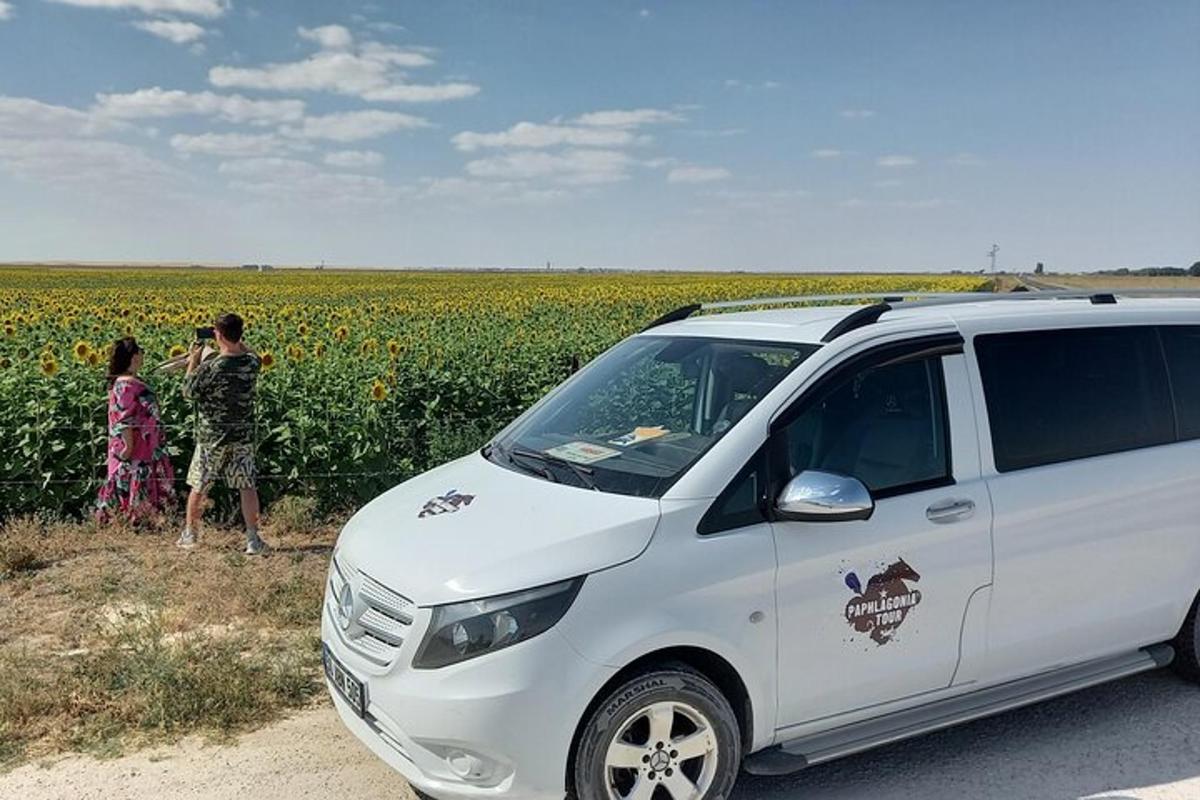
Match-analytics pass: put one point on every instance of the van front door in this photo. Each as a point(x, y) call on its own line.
point(873, 611)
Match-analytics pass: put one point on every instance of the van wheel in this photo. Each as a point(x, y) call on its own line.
point(1187, 645)
point(666, 734)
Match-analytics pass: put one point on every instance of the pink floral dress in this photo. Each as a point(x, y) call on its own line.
point(140, 483)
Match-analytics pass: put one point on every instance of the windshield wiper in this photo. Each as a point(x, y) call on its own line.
point(583, 473)
point(541, 472)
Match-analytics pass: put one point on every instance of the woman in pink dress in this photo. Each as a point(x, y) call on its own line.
point(140, 483)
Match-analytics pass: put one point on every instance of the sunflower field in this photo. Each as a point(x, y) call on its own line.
point(369, 377)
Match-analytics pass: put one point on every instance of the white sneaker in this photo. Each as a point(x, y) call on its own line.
point(256, 546)
point(187, 540)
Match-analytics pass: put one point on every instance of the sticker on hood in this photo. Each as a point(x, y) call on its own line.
point(447, 503)
point(887, 600)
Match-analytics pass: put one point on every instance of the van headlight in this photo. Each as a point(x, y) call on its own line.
point(460, 631)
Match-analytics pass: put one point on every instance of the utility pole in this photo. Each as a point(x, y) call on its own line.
point(992, 255)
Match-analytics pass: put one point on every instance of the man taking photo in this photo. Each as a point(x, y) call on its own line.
point(222, 388)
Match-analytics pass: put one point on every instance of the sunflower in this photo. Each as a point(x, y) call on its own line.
point(302, 329)
point(367, 346)
point(10, 329)
point(5, 362)
point(379, 391)
point(393, 348)
point(49, 366)
point(267, 360)
point(295, 352)
point(341, 333)
point(93, 359)
point(81, 350)
point(177, 350)
point(319, 350)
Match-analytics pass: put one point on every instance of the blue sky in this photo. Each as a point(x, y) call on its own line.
point(740, 135)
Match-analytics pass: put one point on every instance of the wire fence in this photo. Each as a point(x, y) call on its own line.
point(311, 448)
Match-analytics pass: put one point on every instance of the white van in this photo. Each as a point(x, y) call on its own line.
point(768, 539)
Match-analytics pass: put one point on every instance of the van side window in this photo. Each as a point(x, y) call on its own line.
point(885, 425)
point(743, 501)
point(1181, 344)
point(1059, 395)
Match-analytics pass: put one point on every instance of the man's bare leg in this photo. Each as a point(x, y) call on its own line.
point(195, 510)
point(250, 510)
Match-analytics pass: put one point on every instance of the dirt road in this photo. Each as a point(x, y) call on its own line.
point(1136, 739)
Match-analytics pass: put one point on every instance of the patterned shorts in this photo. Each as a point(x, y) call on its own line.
point(232, 463)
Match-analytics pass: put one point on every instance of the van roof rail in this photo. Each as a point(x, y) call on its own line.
point(887, 301)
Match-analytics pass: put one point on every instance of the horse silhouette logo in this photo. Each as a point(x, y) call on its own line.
point(887, 601)
point(447, 503)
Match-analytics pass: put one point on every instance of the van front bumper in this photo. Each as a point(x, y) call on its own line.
point(499, 725)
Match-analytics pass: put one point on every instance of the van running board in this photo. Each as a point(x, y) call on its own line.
point(799, 753)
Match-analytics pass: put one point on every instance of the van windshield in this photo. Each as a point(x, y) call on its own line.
point(642, 413)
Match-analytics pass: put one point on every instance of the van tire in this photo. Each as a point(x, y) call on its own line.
point(688, 697)
point(1187, 645)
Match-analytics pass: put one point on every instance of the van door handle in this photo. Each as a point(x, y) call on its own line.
point(951, 510)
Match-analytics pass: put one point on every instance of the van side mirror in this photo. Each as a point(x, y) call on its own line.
point(815, 496)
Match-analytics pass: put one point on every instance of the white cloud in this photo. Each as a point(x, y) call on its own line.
point(292, 180)
point(369, 70)
point(759, 199)
point(84, 162)
point(932, 202)
point(717, 133)
point(194, 8)
point(856, 113)
point(386, 27)
point(570, 167)
point(628, 118)
point(853, 202)
point(232, 145)
point(895, 161)
point(353, 159)
point(532, 134)
point(737, 83)
point(329, 37)
point(6, 10)
point(965, 160)
point(826, 152)
point(156, 102)
point(353, 126)
point(644, 13)
point(695, 174)
point(489, 191)
point(422, 93)
point(26, 117)
point(173, 30)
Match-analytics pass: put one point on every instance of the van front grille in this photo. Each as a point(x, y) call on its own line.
point(381, 618)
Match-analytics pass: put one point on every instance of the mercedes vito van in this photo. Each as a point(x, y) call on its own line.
point(764, 539)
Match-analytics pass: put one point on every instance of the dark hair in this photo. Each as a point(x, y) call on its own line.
point(121, 356)
point(230, 326)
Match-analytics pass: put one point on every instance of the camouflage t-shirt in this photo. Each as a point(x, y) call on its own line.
point(223, 390)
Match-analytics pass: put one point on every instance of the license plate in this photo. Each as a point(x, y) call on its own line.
point(349, 687)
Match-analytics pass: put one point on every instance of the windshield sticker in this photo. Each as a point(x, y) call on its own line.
point(639, 435)
point(582, 452)
point(447, 503)
point(886, 602)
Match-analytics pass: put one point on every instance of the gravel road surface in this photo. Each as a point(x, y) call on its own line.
point(1138, 738)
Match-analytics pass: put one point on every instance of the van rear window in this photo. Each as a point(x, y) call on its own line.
point(1059, 395)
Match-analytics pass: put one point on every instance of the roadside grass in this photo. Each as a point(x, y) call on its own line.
point(1096, 281)
point(112, 639)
